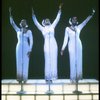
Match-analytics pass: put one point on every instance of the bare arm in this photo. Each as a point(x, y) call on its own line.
point(30, 40)
point(39, 26)
point(65, 41)
point(12, 22)
point(57, 17)
point(30, 43)
point(86, 20)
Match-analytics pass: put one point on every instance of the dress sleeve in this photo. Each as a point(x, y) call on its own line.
point(65, 39)
point(84, 22)
point(13, 24)
point(57, 19)
point(39, 26)
point(30, 40)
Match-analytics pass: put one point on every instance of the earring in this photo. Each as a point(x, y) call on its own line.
point(70, 21)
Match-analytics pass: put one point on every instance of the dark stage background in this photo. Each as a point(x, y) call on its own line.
point(48, 9)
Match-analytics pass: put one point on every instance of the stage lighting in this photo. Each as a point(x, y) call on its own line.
point(13, 97)
point(27, 97)
point(94, 88)
point(41, 97)
point(14, 88)
point(71, 97)
point(56, 88)
point(41, 88)
point(30, 88)
point(85, 97)
point(4, 88)
point(3, 97)
point(95, 97)
point(56, 97)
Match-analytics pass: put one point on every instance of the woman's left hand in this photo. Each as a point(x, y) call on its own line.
point(60, 6)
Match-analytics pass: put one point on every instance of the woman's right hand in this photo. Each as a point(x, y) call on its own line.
point(10, 10)
point(33, 12)
point(60, 6)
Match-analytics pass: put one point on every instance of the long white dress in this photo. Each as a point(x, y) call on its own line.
point(22, 48)
point(50, 47)
point(75, 49)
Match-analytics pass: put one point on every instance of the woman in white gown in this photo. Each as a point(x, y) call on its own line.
point(72, 33)
point(23, 48)
point(50, 45)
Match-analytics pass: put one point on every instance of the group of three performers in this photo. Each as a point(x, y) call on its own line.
point(72, 38)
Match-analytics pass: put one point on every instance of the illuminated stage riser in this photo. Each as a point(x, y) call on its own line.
point(56, 88)
point(63, 90)
point(50, 97)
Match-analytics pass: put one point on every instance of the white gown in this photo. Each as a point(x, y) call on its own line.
point(75, 49)
point(50, 47)
point(22, 48)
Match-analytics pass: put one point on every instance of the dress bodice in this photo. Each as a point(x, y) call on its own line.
point(48, 32)
point(22, 37)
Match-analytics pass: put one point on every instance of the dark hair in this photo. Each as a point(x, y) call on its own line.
point(23, 20)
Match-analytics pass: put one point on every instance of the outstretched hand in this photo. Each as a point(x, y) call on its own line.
point(10, 10)
point(93, 11)
point(32, 11)
point(60, 6)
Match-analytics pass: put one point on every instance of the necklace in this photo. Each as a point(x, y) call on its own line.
point(72, 28)
point(24, 31)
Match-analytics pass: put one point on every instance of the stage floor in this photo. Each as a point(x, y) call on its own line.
point(60, 89)
point(42, 81)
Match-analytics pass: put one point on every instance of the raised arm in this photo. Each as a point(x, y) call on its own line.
point(39, 26)
point(12, 22)
point(57, 17)
point(86, 20)
point(65, 41)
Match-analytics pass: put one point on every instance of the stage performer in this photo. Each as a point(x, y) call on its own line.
point(23, 48)
point(50, 45)
point(72, 37)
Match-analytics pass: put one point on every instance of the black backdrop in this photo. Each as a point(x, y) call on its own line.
point(48, 9)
